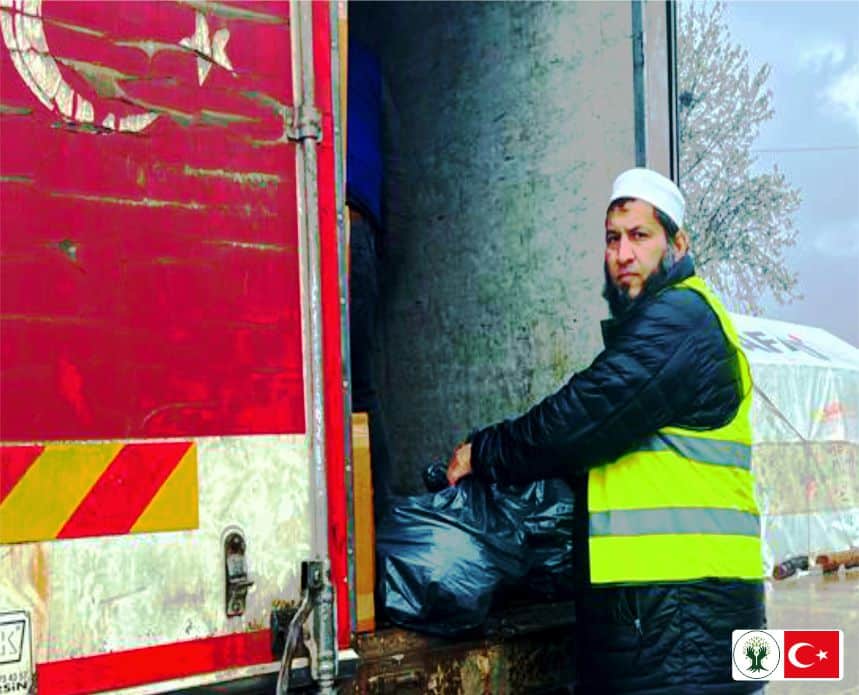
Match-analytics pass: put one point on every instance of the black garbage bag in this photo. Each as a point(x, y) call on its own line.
point(442, 557)
point(546, 511)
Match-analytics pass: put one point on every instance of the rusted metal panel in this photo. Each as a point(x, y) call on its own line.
point(524, 650)
point(150, 282)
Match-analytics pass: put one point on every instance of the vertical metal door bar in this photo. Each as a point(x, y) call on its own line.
point(639, 85)
point(338, 13)
point(673, 134)
point(324, 630)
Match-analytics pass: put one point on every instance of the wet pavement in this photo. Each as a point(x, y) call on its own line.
point(815, 600)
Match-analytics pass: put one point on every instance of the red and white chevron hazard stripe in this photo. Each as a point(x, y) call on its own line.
point(55, 491)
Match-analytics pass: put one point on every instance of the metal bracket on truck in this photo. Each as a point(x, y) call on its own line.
point(306, 123)
point(237, 581)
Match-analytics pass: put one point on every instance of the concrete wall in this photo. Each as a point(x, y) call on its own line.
point(515, 118)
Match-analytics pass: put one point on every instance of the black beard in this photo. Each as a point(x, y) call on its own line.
point(619, 301)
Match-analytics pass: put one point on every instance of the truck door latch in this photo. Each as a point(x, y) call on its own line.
point(236, 568)
point(317, 597)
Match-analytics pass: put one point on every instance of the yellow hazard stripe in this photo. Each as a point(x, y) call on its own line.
point(51, 489)
point(82, 489)
point(174, 506)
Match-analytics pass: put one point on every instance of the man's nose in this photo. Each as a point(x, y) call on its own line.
point(624, 250)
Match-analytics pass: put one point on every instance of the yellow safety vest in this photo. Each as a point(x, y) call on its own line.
point(680, 506)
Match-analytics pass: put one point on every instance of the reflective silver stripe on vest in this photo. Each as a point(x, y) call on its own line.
point(715, 451)
point(643, 522)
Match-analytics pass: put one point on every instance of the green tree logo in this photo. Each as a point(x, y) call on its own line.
point(756, 651)
point(756, 654)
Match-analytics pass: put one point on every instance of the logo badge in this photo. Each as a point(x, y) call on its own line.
point(756, 654)
point(787, 655)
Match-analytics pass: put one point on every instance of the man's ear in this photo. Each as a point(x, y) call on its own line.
point(680, 244)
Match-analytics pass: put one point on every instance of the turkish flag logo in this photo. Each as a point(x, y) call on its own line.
point(812, 654)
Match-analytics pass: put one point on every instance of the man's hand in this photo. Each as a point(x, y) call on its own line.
point(459, 465)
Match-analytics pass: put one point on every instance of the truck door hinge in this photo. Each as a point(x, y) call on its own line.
point(306, 124)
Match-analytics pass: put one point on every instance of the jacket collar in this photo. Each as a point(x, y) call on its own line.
point(680, 271)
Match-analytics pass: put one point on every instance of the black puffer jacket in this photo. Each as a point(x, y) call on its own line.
point(665, 362)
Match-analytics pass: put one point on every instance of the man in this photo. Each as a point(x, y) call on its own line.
point(655, 439)
point(369, 159)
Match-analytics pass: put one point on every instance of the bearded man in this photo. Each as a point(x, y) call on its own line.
point(655, 439)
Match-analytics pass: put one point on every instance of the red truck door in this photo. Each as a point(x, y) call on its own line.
point(154, 312)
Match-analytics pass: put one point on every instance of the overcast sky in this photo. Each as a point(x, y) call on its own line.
point(813, 48)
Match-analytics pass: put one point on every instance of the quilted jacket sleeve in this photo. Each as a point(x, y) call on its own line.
point(650, 374)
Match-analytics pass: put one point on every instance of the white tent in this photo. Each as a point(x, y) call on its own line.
point(806, 437)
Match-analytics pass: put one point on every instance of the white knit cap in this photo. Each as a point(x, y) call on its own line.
point(653, 188)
